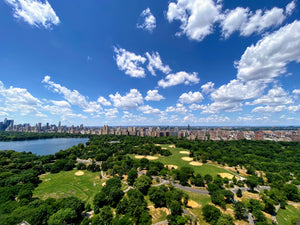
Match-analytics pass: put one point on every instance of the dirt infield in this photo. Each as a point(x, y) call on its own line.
point(184, 152)
point(187, 159)
point(79, 173)
point(194, 163)
point(151, 157)
point(171, 166)
point(227, 175)
point(193, 204)
point(147, 157)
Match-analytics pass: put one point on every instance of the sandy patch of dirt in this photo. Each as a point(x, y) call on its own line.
point(184, 152)
point(171, 146)
point(194, 163)
point(151, 157)
point(227, 175)
point(241, 222)
point(164, 148)
point(171, 166)
point(248, 195)
point(79, 173)
point(157, 144)
point(103, 184)
point(156, 213)
point(139, 156)
point(193, 204)
point(187, 159)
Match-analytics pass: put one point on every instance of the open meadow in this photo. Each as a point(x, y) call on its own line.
point(180, 158)
point(286, 216)
point(66, 183)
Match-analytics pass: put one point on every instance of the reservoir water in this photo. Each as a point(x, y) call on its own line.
point(42, 146)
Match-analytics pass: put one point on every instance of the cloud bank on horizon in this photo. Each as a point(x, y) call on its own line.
point(160, 67)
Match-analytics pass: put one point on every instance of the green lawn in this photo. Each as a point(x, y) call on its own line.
point(175, 159)
point(202, 200)
point(65, 184)
point(286, 216)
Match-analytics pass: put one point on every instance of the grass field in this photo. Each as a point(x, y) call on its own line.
point(66, 184)
point(202, 200)
point(286, 216)
point(176, 159)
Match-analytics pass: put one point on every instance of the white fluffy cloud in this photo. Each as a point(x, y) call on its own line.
point(18, 100)
point(197, 17)
point(130, 62)
point(294, 108)
point(190, 97)
point(146, 109)
point(103, 101)
point(155, 63)
point(152, 95)
point(35, 12)
point(179, 78)
point(197, 107)
point(208, 87)
point(148, 21)
point(229, 97)
point(296, 91)
point(269, 57)
point(275, 96)
point(59, 108)
point(247, 22)
point(129, 101)
point(180, 108)
point(111, 113)
point(269, 109)
point(73, 97)
point(289, 9)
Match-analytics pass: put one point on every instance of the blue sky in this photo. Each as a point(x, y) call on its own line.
point(139, 62)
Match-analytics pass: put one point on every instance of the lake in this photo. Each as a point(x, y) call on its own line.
point(42, 146)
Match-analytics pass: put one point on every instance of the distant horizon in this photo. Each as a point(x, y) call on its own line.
point(169, 62)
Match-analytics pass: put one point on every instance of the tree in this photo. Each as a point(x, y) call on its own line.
point(239, 193)
point(225, 220)
point(62, 216)
point(199, 181)
point(252, 182)
point(239, 210)
point(132, 175)
point(211, 214)
point(208, 178)
point(157, 196)
point(175, 207)
point(143, 184)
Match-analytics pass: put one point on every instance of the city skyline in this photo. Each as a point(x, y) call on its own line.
point(145, 63)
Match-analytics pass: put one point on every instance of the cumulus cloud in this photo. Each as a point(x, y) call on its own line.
point(73, 97)
point(269, 109)
point(197, 17)
point(18, 100)
point(146, 109)
point(147, 21)
point(155, 63)
point(269, 57)
point(111, 113)
point(130, 62)
point(289, 9)
point(294, 108)
point(275, 96)
point(103, 101)
point(190, 97)
point(129, 101)
point(229, 97)
point(247, 22)
point(152, 95)
point(180, 108)
point(197, 107)
point(59, 107)
point(296, 91)
point(208, 87)
point(179, 78)
point(34, 12)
